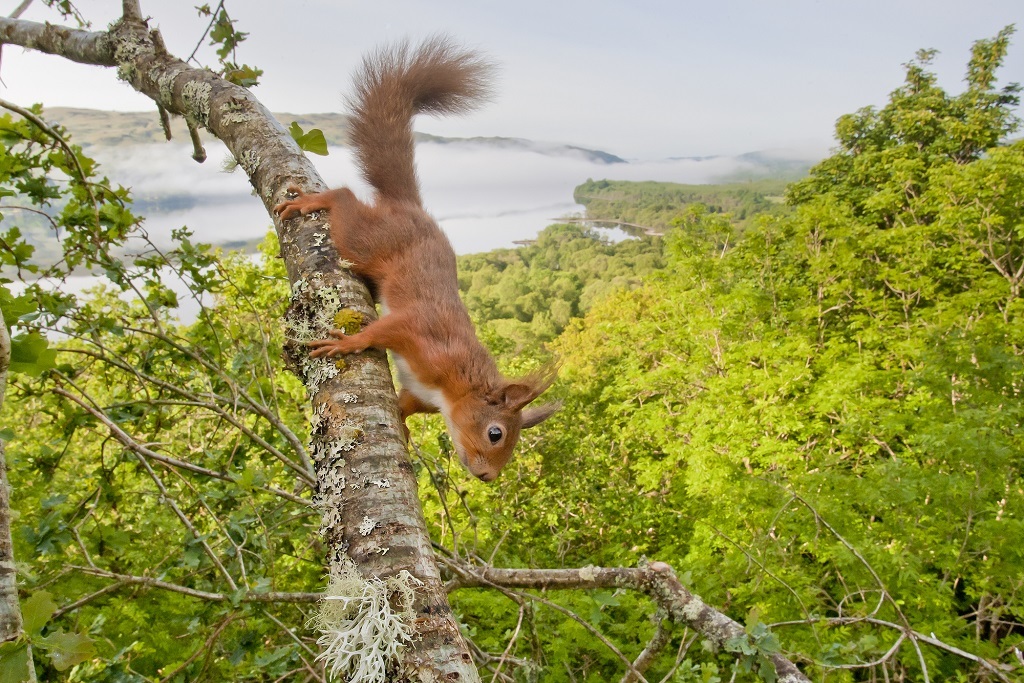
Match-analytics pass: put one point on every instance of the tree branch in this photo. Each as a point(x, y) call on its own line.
point(249, 596)
point(134, 446)
point(656, 580)
point(84, 47)
point(906, 633)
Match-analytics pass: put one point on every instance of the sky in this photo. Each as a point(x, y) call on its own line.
point(642, 79)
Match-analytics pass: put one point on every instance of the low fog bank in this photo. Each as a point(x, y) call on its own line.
point(484, 196)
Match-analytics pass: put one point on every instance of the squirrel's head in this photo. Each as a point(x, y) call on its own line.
point(485, 427)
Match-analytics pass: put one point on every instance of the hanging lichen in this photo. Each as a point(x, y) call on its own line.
point(362, 633)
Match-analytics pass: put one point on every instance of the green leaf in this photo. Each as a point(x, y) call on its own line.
point(740, 644)
point(606, 599)
point(237, 596)
point(753, 618)
point(16, 249)
point(766, 669)
point(14, 307)
point(244, 75)
point(313, 141)
point(30, 354)
point(67, 649)
point(36, 612)
point(250, 478)
point(14, 662)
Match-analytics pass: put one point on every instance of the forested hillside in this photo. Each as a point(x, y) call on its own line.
point(657, 205)
point(812, 410)
point(525, 295)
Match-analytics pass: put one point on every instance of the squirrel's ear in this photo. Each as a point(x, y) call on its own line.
point(537, 414)
point(519, 392)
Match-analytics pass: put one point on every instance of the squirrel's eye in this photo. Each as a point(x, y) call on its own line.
point(494, 434)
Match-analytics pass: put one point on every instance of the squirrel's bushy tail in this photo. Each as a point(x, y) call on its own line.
point(392, 86)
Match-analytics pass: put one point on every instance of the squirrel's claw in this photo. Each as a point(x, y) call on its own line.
point(341, 344)
point(298, 205)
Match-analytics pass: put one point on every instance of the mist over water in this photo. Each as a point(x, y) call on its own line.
point(484, 197)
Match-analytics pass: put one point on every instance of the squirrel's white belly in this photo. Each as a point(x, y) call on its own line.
point(429, 395)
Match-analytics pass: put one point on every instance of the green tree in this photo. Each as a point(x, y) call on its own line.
point(827, 411)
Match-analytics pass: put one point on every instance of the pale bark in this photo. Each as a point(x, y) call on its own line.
point(357, 434)
point(10, 609)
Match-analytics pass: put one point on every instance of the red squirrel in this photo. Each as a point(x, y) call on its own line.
point(409, 263)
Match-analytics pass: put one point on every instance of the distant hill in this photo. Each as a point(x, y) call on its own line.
point(93, 127)
point(96, 128)
point(549, 148)
point(539, 183)
point(774, 165)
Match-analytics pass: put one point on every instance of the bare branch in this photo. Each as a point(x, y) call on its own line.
point(662, 636)
point(20, 9)
point(85, 47)
point(908, 633)
point(198, 152)
point(205, 647)
point(84, 600)
point(131, 10)
point(657, 580)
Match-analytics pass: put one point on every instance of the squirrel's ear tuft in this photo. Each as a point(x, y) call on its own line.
point(537, 414)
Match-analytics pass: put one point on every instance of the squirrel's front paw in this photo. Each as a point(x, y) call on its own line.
point(341, 344)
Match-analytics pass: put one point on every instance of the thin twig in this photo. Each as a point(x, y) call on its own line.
point(205, 647)
point(910, 634)
point(213, 20)
point(61, 611)
point(249, 596)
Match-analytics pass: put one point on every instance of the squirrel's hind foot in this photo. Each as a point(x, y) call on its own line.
point(302, 204)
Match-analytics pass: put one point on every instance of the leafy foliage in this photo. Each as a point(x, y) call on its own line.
point(146, 447)
point(227, 38)
point(528, 295)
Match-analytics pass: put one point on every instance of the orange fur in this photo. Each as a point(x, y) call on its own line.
point(409, 263)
